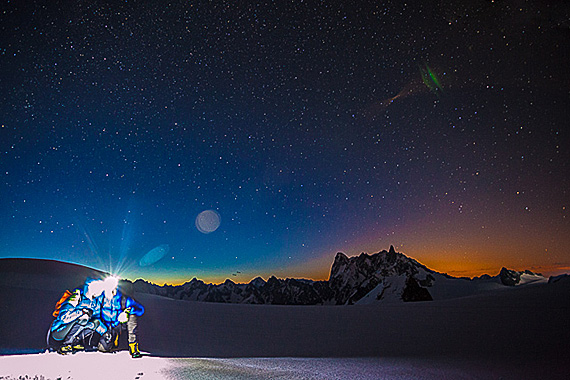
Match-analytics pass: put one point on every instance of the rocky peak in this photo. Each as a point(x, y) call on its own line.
point(340, 256)
point(273, 282)
point(391, 255)
point(257, 282)
point(340, 259)
point(352, 278)
point(511, 277)
point(339, 264)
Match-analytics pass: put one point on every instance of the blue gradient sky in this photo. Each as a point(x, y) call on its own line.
point(305, 125)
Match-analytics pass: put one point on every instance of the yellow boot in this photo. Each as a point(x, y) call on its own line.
point(134, 350)
point(64, 350)
point(116, 342)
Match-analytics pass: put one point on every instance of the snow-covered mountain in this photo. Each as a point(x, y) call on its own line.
point(386, 276)
point(383, 276)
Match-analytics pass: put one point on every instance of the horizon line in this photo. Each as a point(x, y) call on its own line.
point(217, 280)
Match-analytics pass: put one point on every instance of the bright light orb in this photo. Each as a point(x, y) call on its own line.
point(208, 221)
point(110, 286)
point(94, 289)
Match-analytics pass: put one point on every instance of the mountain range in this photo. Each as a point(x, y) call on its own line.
point(383, 277)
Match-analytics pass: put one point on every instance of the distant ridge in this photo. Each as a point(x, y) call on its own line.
point(386, 276)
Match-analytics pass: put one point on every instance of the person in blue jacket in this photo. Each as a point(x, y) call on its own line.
point(77, 325)
point(119, 312)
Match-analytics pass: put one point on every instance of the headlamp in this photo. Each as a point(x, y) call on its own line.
point(110, 286)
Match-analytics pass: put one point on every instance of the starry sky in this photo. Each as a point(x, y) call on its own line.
point(168, 140)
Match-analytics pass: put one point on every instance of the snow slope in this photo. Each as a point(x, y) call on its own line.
point(519, 331)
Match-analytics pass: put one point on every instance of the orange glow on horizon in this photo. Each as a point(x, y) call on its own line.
point(454, 257)
point(319, 270)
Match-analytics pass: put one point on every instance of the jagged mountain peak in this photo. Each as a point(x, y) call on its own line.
point(340, 258)
point(511, 277)
point(386, 262)
point(257, 282)
point(354, 277)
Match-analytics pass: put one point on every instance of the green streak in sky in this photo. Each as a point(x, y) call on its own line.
point(431, 80)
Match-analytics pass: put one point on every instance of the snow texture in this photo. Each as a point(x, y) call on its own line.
point(94, 366)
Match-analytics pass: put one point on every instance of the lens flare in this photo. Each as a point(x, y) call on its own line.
point(154, 255)
point(208, 221)
point(430, 79)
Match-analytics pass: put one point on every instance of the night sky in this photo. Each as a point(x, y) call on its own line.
point(299, 128)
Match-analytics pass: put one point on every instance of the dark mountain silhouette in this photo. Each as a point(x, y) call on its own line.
point(386, 276)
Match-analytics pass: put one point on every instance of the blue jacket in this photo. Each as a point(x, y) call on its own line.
point(79, 307)
point(111, 308)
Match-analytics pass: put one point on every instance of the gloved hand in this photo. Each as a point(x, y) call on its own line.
point(84, 318)
point(107, 337)
point(124, 316)
point(74, 298)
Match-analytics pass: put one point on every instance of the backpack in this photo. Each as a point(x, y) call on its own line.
point(63, 298)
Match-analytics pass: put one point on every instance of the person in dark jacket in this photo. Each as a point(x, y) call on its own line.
point(119, 312)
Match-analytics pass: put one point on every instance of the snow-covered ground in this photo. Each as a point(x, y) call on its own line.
point(82, 365)
point(95, 366)
point(521, 332)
